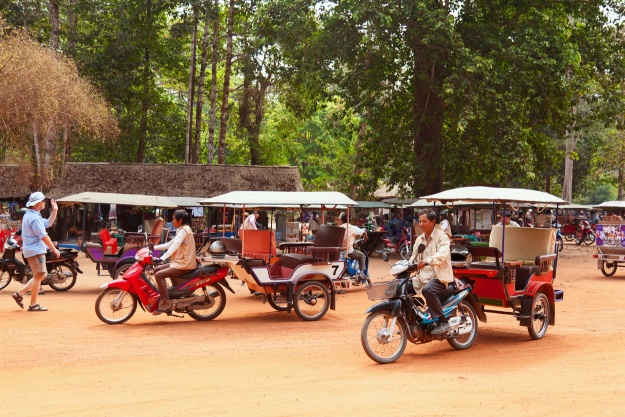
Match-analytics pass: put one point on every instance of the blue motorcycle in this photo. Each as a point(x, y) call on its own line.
point(403, 316)
point(353, 271)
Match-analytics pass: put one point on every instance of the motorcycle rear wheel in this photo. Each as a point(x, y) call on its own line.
point(115, 306)
point(375, 342)
point(69, 282)
point(5, 279)
point(465, 341)
point(219, 295)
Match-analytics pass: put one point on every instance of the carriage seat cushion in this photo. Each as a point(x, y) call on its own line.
point(523, 274)
point(293, 260)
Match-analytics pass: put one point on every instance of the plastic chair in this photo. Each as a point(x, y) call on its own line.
point(108, 241)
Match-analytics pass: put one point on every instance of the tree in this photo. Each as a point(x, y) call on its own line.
point(41, 91)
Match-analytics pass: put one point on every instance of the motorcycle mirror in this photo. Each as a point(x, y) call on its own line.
point(385, 257)
point(420, 248)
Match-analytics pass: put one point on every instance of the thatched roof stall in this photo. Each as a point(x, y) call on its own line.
point(180, 180)
point(15, 181)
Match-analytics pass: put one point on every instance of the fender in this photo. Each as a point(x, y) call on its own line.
point(121, 283)
point(477, 307)
point(534, 287)
point(393, 305)
point(224, 283)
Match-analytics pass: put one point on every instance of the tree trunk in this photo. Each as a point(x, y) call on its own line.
point(571, 142)
point(187, 149)
point(428, 113)
point(620, 185)
point(221, 154)
point(353, 191)
point(213, 96)
point(54, 22)
point(38, 158)
point(145, 100)
point(49, 157)
point(72, 23)
point(200, 94)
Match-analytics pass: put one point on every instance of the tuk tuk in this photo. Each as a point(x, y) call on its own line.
point(514, 274)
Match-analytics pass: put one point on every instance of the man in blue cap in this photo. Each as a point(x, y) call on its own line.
point(34, 242)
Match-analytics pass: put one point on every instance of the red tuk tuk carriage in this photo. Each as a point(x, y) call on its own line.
point(515, 273)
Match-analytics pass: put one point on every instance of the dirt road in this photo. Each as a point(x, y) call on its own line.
point(254, 361)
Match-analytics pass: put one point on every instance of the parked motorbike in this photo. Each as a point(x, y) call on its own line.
point(353, 267)
point(62, 271)
point(584, 233)
point(199, 293)
point(403, 315)
point(401, 247)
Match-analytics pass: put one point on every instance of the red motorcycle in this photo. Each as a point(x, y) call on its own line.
point(584, 233)
point(392, 246)
point(198, 293)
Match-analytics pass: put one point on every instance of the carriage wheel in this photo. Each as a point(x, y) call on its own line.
point(539, 317)
point(608, 268)
point(312, 301)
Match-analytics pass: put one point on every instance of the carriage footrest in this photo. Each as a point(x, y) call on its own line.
point(558, 295)
point(342, 284)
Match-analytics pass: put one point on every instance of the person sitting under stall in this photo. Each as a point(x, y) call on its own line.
point(507, 220)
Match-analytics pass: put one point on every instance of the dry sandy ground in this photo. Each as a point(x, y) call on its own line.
point(254, 361)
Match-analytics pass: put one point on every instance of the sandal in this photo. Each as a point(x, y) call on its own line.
point(18, 299)
point(161, 310)
point(37, 307)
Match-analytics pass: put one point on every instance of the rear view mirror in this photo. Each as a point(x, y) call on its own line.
point(384, 256)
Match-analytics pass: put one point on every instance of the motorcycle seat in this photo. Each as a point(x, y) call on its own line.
point(202, 270)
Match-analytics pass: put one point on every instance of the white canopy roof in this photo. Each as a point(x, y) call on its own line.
point(329, 199)
point(126, 199)
point(611, 204)
point(493, 194)
point(425, 203)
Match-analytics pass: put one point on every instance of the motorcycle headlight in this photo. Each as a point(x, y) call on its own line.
point(399, 267)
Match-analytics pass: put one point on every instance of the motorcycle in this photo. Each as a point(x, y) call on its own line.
point(584, 233)
point(400, 247)
point(199, 293)
point(403, 315)
point(62, 271)
point(353, 268)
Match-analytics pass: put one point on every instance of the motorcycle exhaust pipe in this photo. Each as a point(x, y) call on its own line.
point(459, 326)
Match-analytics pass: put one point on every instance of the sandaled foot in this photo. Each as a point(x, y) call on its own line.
point(37, 307)
point(18, 299)
point(162, 308)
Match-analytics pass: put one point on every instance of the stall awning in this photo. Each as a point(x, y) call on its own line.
point(611, 205)
point(493, 194)
point(373, 204)
point(329, 199)
point(124, 199)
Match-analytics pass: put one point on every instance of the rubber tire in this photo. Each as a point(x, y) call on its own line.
point(5, 279)
point(119, 272)
point(560, 244)
point(539, 298)
point(589, 239)
point(568, 238)
point(578, 241)
point(404, 252)
point(278, 306)
point(296, 302)
point(222, 296)
point(469, 311)
point(607, 270)
point(123, 319)
point(365, 340)
point(66, 287)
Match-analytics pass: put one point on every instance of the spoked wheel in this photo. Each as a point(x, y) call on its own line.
point(589, 239)
point(568, 238)
point(312, 301)
point(70, 274)
point(559, 244)
point(467, 330)
point(215, 293)
point(404, 252)
point(378, 342)
point(115, 306)
point(5, 279)
point(277, 301)
point(608, 268)
point(578, 240)
point(539, 320)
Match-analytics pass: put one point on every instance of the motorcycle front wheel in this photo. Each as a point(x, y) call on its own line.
point(404, 252)
point(559, 244)
point(377, 341)
point(115, 306)
point(66, 270)
point(464, 341)
point(589, 239)
point(5, 279)
point(219, 296)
